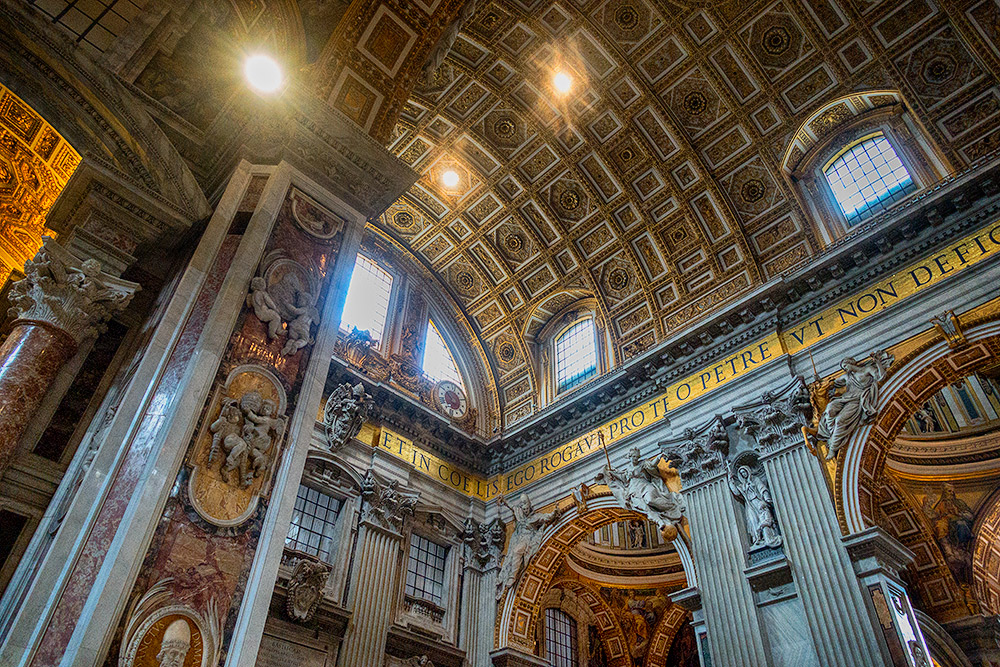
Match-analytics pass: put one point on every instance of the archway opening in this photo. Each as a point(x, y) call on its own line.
point(613, 573)
point(35, 164)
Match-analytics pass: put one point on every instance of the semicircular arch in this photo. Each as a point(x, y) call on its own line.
point(907, 386)
point(520, 607)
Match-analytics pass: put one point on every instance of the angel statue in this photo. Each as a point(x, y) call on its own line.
point(525, 542)
point(857, 404)
point(641, 488)
point(757, 504)
point(344, 414)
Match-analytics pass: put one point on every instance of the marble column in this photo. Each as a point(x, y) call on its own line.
point(60, 302)
point(735, 634)
point(483, 546)
point(839, 621)
point(377, 564)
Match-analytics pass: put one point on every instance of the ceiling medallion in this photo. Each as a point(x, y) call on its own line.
point(695, 103)
point(466, 281)
point(752, 191)
point(939, 69)
point(506, 352)
point(513, 243)
point(776, 40)
point(403, 220)
point(618, 279)
point(626, 154)
point(569, 200)
point(504, 128)
point(626, 17)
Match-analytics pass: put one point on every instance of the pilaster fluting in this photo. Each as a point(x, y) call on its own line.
point(735, 635)
point(835, 609)
point(60, 302)
point(372, 591)
point(478, 615)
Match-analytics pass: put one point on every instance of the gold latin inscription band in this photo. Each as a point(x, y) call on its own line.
point(914, 278)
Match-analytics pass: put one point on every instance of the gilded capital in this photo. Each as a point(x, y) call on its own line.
point(73, 295)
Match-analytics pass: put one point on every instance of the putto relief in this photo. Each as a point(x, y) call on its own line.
point(233, 459)
point(283, 297)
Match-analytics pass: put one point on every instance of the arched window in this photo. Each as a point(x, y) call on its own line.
point(560, 638)
point(855, 157)
point(576, 355)
point(367, 303)
point(439, 364)
point(867, 176)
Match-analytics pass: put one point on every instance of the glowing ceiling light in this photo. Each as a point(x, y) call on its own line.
point(263, 73)
point(562, 82)
point(450, 178)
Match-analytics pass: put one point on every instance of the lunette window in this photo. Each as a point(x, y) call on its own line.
point(439, 364)
point(425, 569)
point(314, 523)
point(576, 355)
point(560, 638)
point(867, 177)
point(367, 303)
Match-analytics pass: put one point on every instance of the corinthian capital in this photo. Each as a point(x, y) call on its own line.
point(75, 296)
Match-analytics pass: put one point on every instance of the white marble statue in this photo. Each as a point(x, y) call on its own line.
point(264, 307)
point(175, 645)
point(757, 504)
point(529, 527)
point(857, 404)
point(641, 488)
point(300, 328)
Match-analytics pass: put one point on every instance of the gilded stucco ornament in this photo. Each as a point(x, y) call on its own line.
point(305, 589)
point(75, 296)
point(345, 412)
point(235, 450)
point(857, 402)
point(529, 527)
point(641, 488)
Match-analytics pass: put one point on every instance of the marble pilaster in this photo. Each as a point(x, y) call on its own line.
point(60, 303)
point(378, 562)
point(737, 636)
point(840, 625)
point(483, 545)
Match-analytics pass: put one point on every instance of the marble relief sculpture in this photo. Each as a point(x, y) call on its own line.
point(305, 589)
point(344, 414)
point(243, 433)
point(857, 402)
point(285, 305)
point(641, 488)
point(752, 489)
point(529, 527)
point(175, 645)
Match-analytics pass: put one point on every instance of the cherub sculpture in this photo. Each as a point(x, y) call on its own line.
point(300, 328)
point(264, 307)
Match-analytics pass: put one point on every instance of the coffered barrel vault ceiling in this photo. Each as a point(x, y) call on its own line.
point(655, 184)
